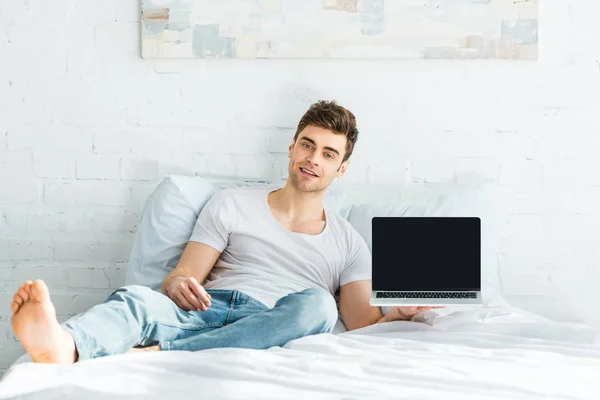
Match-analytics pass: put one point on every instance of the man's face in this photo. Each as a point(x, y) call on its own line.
point(316, 159)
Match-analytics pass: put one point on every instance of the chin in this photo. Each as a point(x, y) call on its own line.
point(310, 189)
point(314, 188)
point(305, 186)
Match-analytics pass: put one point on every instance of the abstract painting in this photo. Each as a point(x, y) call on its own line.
point(399, 29)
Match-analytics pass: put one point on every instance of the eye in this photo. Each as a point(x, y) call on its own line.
point(306, 145)
point(330, 156)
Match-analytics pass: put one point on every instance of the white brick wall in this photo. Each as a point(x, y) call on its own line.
point(3, 140)
point(53, 166)
point(19, 192)
point(28, 249)
point(98, 167)
point(139, 170)
point(88, 128)
point(45, 139)
point(94, 192)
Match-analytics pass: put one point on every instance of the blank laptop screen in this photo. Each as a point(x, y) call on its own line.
point(426, 253)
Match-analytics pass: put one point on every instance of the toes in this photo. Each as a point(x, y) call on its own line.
point(39, 291)
point(24, 294)
point(16, 303)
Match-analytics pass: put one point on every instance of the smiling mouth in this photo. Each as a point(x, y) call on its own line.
point(308, 172)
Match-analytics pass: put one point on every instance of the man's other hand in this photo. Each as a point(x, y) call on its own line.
point(188, 294)
point(406, 313)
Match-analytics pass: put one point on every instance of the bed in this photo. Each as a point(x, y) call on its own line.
point(475, 353)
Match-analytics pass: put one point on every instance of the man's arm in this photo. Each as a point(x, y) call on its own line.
point(354, 305)
point(196, 262)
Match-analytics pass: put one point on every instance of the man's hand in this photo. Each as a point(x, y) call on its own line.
point(406, 313)
point(188, 294)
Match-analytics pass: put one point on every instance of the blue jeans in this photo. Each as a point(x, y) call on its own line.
point(139, 316)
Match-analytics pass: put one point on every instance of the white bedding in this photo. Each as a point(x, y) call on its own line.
point(482, 353)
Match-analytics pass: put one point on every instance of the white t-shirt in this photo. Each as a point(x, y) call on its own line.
point(265, 260)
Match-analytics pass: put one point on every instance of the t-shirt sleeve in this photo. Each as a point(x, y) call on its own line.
point(216, 222)
point(358, 266)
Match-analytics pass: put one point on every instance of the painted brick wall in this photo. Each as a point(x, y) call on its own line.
point(87, 130)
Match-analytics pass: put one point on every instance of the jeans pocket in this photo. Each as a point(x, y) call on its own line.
point(222, 295)
point(251, 306)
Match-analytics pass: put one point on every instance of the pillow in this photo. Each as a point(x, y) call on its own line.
point(164, 227)
point(168, 217)
point(452, 202)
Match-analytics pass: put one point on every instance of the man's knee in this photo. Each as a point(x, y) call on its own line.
point(316, 307)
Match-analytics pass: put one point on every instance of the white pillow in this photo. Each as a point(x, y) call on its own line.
point(164, 227)
point(452, 202)
point(168, 218)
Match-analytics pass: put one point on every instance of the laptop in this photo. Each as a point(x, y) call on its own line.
point(426, 261)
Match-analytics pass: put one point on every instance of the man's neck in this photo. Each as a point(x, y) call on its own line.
point(298, 205)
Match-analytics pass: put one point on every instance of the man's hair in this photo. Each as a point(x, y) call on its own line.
point(329, 115)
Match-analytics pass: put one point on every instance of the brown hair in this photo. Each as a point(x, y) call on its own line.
point(330, 115)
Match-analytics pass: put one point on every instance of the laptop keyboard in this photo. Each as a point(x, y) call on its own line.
point(426, 295)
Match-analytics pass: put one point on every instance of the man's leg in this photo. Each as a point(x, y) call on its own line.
point(132, 315)
point(309, 312)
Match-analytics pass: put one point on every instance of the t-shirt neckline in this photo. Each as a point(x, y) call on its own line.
point(276, 221)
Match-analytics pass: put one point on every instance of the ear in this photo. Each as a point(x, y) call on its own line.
point(343, 168)
point(291, 148)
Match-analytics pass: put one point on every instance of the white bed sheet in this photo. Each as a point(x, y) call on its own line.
point(481, 353)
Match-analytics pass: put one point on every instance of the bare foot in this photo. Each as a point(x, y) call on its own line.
point(35, 324)
point(140, 349)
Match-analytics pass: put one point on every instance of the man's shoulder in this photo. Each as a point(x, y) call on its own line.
point(239, 196)
point(339, 220)
point(346, 229)
point(233, 201)
point(244, 191)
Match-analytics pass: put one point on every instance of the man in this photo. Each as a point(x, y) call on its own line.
point(269, 260)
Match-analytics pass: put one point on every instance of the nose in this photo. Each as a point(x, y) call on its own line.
point(313, 159)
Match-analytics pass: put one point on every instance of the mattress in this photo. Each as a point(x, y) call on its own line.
point(478, 353)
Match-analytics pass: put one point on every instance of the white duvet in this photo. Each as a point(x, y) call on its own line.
point(483, 353)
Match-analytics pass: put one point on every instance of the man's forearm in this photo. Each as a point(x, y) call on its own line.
point(197, 260)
